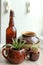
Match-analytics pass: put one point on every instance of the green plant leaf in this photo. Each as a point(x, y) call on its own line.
point(15, 44)
point(34, 47)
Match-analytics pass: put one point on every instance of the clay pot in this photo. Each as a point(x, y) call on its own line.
point(30, 39)
point(34, 56)
point(14, 56)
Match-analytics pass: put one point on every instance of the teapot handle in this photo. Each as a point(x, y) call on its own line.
point(5, 49)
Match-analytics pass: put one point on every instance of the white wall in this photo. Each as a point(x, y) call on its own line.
point(31, 21)
point(23, 22)
point(42, 17)
point(4, 22)
point(0, 20)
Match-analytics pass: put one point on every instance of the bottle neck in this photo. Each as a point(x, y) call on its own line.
point(11, 23)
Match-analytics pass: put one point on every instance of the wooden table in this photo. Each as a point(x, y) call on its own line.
point(3, 61)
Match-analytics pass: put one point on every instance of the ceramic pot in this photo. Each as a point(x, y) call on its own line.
point(14, 56)
point(34, 56)
point(30, 39)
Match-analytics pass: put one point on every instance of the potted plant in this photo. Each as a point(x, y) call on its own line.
point(34, 53)
point(16, 53)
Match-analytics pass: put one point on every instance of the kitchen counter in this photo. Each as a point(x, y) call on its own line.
point(3, 61)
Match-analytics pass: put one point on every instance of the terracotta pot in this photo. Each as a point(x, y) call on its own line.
point(34, 56)
point(14, 56)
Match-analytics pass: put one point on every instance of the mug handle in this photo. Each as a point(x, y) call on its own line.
point(5, 49)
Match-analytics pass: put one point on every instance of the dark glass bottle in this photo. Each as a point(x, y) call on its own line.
point(11, 31)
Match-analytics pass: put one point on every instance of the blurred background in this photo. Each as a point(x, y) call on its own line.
point(28, 16)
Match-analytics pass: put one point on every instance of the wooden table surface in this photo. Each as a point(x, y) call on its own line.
point(3, 61)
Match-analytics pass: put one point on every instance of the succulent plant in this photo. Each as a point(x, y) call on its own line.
point(16, 44)
point(34, 49)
